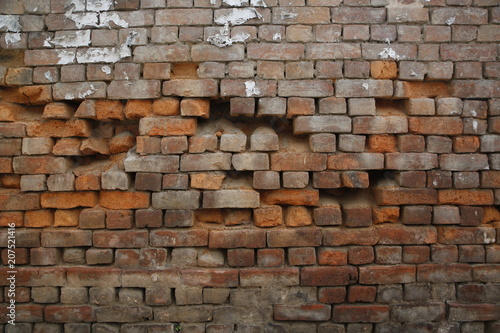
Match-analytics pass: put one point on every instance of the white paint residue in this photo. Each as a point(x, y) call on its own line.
point(79, 38)
point(222, 39)
point(451, 20)
point(365, 85)
point(106, 54)
point(106, 70)
point(277, 36)
point(401, 18)
point(287, 15)
point(48, 76)
point(258, 3)
point(413, 73)
point(238, 16)
point(69, 96)
point(132, 35)
point(488, 240)
point(388, 52)
point(435, 182)
point(474, 125)
point(251, 89)
point(89, 92)
point(473, 113)
point(404, 4)
point(83, 19)
point(107, 18)
point(154, 277)
point(10, 22)
point(66, 56)
point(78, 5)
point(99, 5)
point(235, 3)
point(213, 2)
point(12, 38)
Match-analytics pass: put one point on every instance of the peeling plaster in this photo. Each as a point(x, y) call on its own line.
point(106, 70)
point(223, 39)
point(48, 76)
point(388, 52)
point(12, 38)
point(288, 15)
point(277, 36)
point(99, 5)
point(238, 16)
point(107, 18)
point(251, 89)
point(66, 56)
point(80, 38)
point(450, 21)
point(11, 22)
point(106, 54)
point(235, 17)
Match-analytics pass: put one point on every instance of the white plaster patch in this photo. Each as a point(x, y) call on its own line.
point(235, 3)
point(404, 4)
point(258, 3)
point(105, 54)
point(251, 89)
point(89, 92)
point(106, 70)
point(413, 73)
point(73, 39)
point(277, 36)
point(107, 18)
point(223, 39)
point(238, 16)
point(366, 85)
point(66, 56)
point(488, 240)
point(12, 38)
point(83, 19)
point(11, 22)
point(132, 35)
point(474, 124)
point(388, 52)
point(78, 5)
point(99, 5)
point(451, 20)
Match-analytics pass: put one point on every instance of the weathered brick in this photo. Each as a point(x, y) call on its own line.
point(120, 239)
point(190, 88)
point(291, 197)
point(361, 313)
point(64, 314)
point(237, 239)
point(206, 162)
point(390, 196)
point(444, 273)
point(231, 199)
point(321, 124)
point(407, 235)
point(355, 161)
point(213, 53)
point(266, 180)
point(210, 277)
point(411, 161)
point(278, 277)
point(312, 312)
point(66, 238)
point(465, 197)
point(247, 88)
point(152, 163)
point(272, 51)
point(363, 88)
point(387, 274)
point(179, 238)
point(294, 238)
point(176, 200)
point(305, 88)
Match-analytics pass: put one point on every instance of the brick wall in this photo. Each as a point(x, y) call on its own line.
point(250, 166)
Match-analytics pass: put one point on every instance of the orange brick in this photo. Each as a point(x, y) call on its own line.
point(124, 200)
point(66, 217)
point(38, 218)
point(384, 69)
point(10, 181)
point(491, 214)
point(466, 144)
point(385, 214)
point(291, 197)
point(108, 109)
point(207, 181)
point(383, 143)
point(406, 89)
point(166, 107)
point(465, 197)
point(60, 128)
point(11, 217)
point(196, 107)
point(213, 215)
point(89, 182)
point(138, 108)
point(298, 216)
point(68, 200)
point(167, 126)
point(270, 216)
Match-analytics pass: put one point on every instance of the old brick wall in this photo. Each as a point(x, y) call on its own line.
point(251, 166)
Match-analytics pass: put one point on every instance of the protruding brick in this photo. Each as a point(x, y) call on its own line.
point(231, 199)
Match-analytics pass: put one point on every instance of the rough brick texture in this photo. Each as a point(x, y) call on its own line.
point(250, 166)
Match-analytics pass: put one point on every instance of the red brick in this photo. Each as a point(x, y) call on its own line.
point(328, 215)
point(356, 161)
point(310, 312)
point(328, 276)
point(179, 238)
point(357, 215)
point(305, 88)
point(237, 238)
point(332, 256)
point(387, 196)
point(210, 277)
point(294, 237)
point(168, 277)
point(382, 143)
point(360, 255)
point(65, 314)
point(471, 235)
point(38, 218)
point(358, 236)
point(361, 313)
point(123, 239)
point(14, 200)
point(7, 218)
point(270, 257)
point(301, 256)
point(190, 88)
point(416, 254)
point(387, 274)
point(297, 216)
point(365, 294)
point(167, 126)
point(269, 216)
point(124, 200)
point(240, 257)
point(444, 273)
point(214, 53)
point(465, 197)
point(385, 215)
point(397, 235)
point(273, 277)
point(261, 88)
point(332, 294)
point(321, 124)
point(34, 277)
